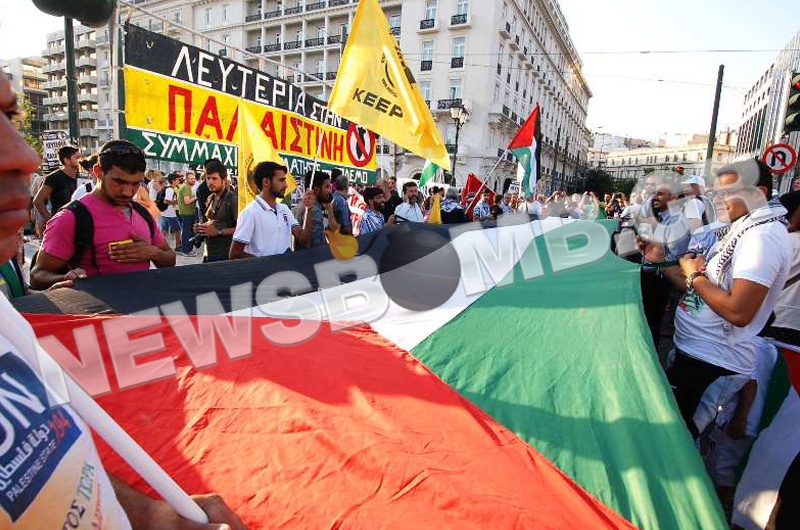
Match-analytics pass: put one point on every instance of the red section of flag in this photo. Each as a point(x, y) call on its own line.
point(525, 135)
point(793, 365)
point(345, 430)
point(470, 194)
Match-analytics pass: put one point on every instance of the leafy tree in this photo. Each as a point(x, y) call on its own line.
point(626, 186)
point(598, 181)
point(25, 125)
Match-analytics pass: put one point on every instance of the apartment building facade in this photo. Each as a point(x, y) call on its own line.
point(764, 108)
point(93, 74)
point(28, 80)
point(496, 58)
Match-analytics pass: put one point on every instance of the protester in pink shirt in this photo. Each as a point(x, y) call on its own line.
point(124, 236)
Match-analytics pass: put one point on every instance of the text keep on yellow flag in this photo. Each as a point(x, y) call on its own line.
point(376, 89)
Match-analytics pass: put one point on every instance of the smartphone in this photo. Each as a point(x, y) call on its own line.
point(116, 244)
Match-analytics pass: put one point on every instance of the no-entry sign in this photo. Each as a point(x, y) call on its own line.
point(360, 145)
point(780, 157)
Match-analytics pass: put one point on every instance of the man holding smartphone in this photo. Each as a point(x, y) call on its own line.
point(104, 232)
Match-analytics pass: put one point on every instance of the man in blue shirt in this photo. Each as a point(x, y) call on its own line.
point(341, 208)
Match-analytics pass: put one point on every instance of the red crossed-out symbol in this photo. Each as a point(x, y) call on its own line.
point(780, 157)
point(360, 145)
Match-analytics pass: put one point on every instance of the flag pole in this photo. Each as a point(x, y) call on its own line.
point(499, 159)
point(124, 445)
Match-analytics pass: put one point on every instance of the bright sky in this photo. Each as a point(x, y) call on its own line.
point(623, 103)
point(645, 109)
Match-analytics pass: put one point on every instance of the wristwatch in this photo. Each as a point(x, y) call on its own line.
point(691, 278)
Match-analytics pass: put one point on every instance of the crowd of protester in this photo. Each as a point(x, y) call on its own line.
point(719, 266)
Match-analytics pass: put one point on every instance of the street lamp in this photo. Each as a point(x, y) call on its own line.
point(460, 116)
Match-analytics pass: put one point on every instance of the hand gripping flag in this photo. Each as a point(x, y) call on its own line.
point(375, 88)
point(254, 148)
point(526, 147)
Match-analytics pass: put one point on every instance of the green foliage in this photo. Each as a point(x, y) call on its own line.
point(25, 125)
point(626, 186)
point(598, 181)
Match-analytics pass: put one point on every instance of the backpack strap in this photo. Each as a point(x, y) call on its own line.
point(145, 213)
point(84, 234)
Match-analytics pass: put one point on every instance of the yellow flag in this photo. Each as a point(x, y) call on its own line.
point(254, 148)
point(435, 217)
point(376, 89)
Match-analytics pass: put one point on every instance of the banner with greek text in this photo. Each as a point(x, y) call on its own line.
point(181, 104)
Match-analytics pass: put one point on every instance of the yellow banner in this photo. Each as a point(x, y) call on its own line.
point(158, 103)
point(375, 88)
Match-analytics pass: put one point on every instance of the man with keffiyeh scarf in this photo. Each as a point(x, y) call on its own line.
point(729, 297)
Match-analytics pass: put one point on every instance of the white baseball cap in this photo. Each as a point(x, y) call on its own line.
point(695, 179)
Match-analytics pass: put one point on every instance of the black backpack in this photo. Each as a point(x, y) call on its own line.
point(84, 233)
point(161, 196)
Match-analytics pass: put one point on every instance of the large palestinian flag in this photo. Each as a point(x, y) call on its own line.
point(505, 380)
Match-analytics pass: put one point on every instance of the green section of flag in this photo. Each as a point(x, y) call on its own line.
point(579, 381)
point(428, 172)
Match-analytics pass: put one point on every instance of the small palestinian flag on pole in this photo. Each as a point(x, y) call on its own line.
point(526, 147)
point(429, 172)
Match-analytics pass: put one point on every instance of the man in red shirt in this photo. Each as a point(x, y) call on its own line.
point(123, 237)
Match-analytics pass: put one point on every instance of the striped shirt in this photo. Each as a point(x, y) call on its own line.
point(371, 222)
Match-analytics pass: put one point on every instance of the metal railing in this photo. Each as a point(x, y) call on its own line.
point(253, 17)
point(253, 49)
point(457, 20)
point(273, 14)
point(292, 45)
point(445, 104)
point(315, 42)
point(272, 47)
point(395, 31)
point(293, 10)
point(457, 62)
point(315, 6)
point(330, 76)
point(334, 39)
point(426, 66)
point(428, 23)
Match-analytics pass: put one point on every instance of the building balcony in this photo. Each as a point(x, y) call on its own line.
point(101, 39)
point(90, 80)
point(428, 24)
point(292, 45)
point(253, 49)
point(86, 62)
point(395, 31)
point(457, 62)
point(57, 100)
point(447, 104)
point(505, 31)
point(87, 115)
point(252, 17)
point(87, 98)
point(336, 3)
point(90, 132)
point(426, 66)
point(312, 43)
point(330, 76)
point(514, 44)
point(293, 10)
point(55, 116)
point(84, 43)
point(53, 51)
point(56, 67)
point(58, 83)
point(334, 39)
point(270, 48)
point(273, 14)
point(315, 6)
point(461, 21)
point(105, 124)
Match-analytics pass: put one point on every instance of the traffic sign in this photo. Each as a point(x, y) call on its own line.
point(780, 158)
point(360, 145)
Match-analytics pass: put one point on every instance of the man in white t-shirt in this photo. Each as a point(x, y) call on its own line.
point(409, 210)
point(728, 301)
point(266, 226)
point(52, 476)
